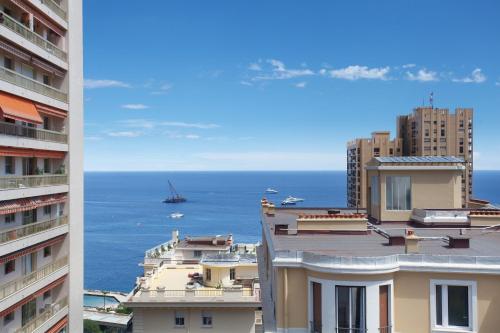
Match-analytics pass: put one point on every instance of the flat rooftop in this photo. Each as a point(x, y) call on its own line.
point(482, 242)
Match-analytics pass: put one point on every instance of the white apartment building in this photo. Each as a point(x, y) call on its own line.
point(41, 166)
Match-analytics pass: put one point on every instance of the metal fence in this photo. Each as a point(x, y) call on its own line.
point(38, 321)
point(16, 182)
point(32, 133)
point(55, 8)
point(30, 229)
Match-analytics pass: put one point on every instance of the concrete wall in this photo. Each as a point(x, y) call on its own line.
point(221, 274)
point(229, 320)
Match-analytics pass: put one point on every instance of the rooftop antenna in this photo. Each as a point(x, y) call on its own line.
point(431, 100)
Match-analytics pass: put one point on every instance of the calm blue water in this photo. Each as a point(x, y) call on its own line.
point(124, 215)
point(96, 301)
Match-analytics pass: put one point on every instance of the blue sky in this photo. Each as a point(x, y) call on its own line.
point(278, 85)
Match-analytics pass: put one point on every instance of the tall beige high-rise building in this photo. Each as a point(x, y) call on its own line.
point(427, 131)
point(41, 166)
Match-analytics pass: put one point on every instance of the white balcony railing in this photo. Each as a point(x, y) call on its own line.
point(55, 8)
point(33, 85)
point(32, 133)
point(19, 182)
point(31, 229)
point(198, 295)
point(13, 287)
point(48, 313)
point(31, 36)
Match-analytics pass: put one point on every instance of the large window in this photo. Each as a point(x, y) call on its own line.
point(206, 318)
point(375, 195)
point(10, 168)
point(398, 193)
point(351, 309)
point(452, 304)
point(179, 319)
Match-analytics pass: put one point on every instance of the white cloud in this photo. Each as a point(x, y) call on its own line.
point(280, 72)
point(163, 89)
point(246, 83)
point(301, 84)
point(423, 75)
point(137, 123)
point(96, 84)
point(175, 135)
point(135, 106)
point(93, 138)
point(476, 76)
point(497, 84)
point(189, 125)
point(255, 67)
point(409, 66)
point(359, 72)
point(125, 134)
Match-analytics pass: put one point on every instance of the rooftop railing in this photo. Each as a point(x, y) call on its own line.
point(48, 313)
point(32, 133)
point(14, 286)
point(17, 182)
point(55, 8)
point(31, 229)
point(198, 295)
point(33, 85)
point(31, 36)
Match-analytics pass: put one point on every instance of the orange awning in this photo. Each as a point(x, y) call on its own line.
point(21, 205)
point(31, 249)
point(51, 111)
point(22, 152)
point(59, 326)
point(19, 109)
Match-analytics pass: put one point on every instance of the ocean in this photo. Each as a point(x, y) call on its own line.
point(125, 216)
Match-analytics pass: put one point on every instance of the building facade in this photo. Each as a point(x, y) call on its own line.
point(41, 166)
point(198, 284)
point(426, 132)
point(359, 152)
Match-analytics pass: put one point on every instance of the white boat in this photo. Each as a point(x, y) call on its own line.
point(291, 200)
point(176, 215)
point(271, 191)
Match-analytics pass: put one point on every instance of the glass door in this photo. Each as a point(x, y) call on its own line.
point(351, 309)
point(28, 312)
point(316, 323)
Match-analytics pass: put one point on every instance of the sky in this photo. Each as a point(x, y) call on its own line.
point(278, 85)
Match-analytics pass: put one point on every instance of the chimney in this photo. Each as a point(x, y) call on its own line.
point(271, 208)
point(175, 236)
point(411, 242)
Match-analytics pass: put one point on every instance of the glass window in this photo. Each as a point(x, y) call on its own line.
point(316, 322)
point(10, 266)
point(398, 193)
point(206, 318)
point(28, 311)
point(351, 309)
point(8, 63)
point(47, 294)
point(374, 189)
point(10, 218)
point(9, 165)
point(47, 210)
point(47, 251)
point(46, 165)
point(208, 274)
point(9, 317)
point(197, 253)
point(179, 318)
point(452, 306)
point(232, 273)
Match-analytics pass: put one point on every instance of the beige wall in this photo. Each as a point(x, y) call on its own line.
point(221, 274)
point(411, 298)
point(484, 220)
point(444, 185)
point(225, 320)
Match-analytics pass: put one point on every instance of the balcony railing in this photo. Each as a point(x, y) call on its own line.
point(48, 313)
point(16, 182)
point(33, 85)
point(31, 229)
point(385, 329)
point(25, 281)
point(55, 8)
point(32, 133)
point(198, 295)
point(33, 37)
point(351, 330)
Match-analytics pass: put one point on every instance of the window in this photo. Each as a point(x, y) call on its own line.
point(374, 191)
point(10, 218)
point(317, 319)
point(206, 318)
point(46, 165)
point(197, 253)
point(452, 304)
point(351, 309)
point(8, 63)
point(179, 319)
point(46, 80)
point(46, 123)
point(28, 312)
point(8, 318)
point(47, 210)
point(376, 151)
point(398, 193)
point(208, 274)
point(47, 294)
point(47, 251)
point(443, 132)
point(232, 273)
point(9, 165)
point(10, 266)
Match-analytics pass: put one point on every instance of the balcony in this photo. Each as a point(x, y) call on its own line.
point(32, 133)
point(11, 24)
point(55, 8)
point(198, 295)
point(21, 182)
point(25, 82)
point(31, 229)
point(14, 286)
point(48, 313)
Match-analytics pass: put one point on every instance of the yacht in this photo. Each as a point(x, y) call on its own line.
point(291, 200)
point(176, 215)
point(271, 191)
